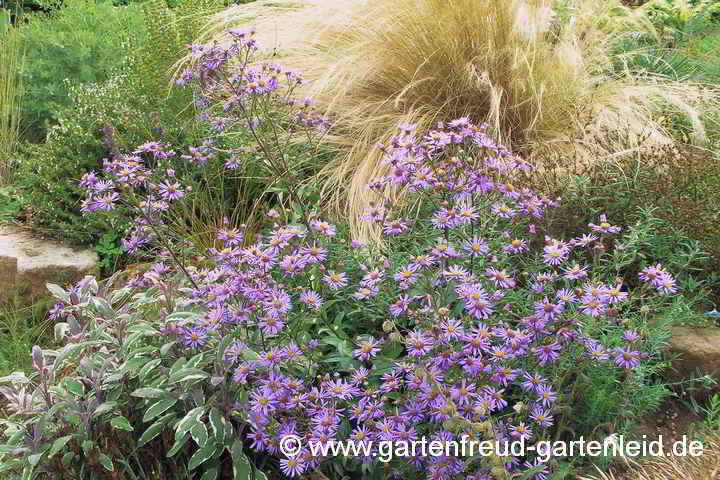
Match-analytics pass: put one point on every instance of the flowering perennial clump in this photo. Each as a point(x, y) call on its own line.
point(463, 322)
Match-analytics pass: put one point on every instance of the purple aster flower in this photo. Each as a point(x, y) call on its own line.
point(666, 284)
point(500, 277)
point(547, 353)
point(270, 326)
point(546, 396)
point(555, 254)
point(521, 431)
point(400, 306)
point(532, 382)
point(106, 202)
point(584, 240)
point(323, 227)
point(452, 329)
point(278, 303)
point(502, 210)
point(311, 299)
point(596, 351)
point(363, 293)
point(631, 335)
point(516, 246)
point(263, 402)
point(652, 274)
point(395, 227)
point(335, 280)
point(565, 295)
point(314, 254)
point(626, 358)
point(406, 274)
point(575, 272)
point(548, 310)
point(592, 306)
point(604, 226)
point(194, 337)
point(367, 349)
point(462, 394)
point(541, 417)
point(615, 294)
point(294, 466)
point(418, 343)
point(476, 246)
point(170, 191)
point(444, 218)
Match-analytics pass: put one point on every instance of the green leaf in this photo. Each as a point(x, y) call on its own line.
point(242, 468)
point(148, 367)
point(158, 408)
point(260, 475)
point(166, 348)
point(217, 423)
point(121, 423)
point(199, 433)
point(189, 421)
point(60, 330)
point(187, 374)
point(202, 455)
point(149, 393)
point(104, 408)
point(35, 459)
point(75, 386)
point(210, 474)
point(106, 462)
point(58, 445)
point(87, 446)
point(58, 292)
point(155, 429)
point(179, 443)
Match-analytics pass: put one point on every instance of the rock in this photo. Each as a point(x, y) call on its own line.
point(27, 263)
point(698, 350)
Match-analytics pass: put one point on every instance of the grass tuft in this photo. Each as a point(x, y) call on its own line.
point(12, 56)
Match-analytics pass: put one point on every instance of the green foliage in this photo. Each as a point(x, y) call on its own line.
point(136, 409)
point(667, 197)
point(20, 329)
point(10, 203)
point(126, 109)
point(109, 251)
point(48, 172)
point(85, 41)
point(169, 31)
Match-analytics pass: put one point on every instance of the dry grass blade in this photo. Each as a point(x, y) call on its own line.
point(702, 467)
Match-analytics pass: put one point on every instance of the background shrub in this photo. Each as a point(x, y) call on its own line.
point(85, 41)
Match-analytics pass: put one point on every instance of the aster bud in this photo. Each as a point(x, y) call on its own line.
point(388, 326)
point(396, 337)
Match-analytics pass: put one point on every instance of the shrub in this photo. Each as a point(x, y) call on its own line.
point(48, 172)
point(465, 321)
point(85, 41)
point(131, 106)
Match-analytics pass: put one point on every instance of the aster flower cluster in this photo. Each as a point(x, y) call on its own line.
point(230, 87)
point(457, 326)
